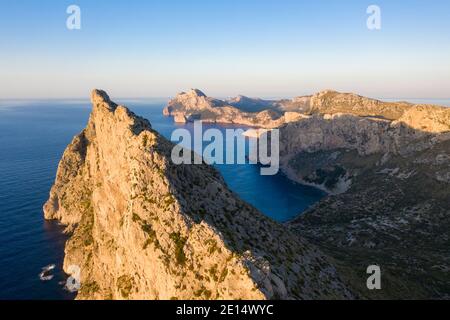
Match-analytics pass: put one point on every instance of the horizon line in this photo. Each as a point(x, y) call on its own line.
point(220, 97)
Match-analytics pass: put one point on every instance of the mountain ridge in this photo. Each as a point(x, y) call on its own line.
point(386, 167)
point(143, 228)
point(191, 105)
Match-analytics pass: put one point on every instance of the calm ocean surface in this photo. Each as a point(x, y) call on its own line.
point(33, 136)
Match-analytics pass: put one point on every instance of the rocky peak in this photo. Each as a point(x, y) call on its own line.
point(327, 92)
point(197, 92)
point(100, 99)
point(142, 227)
point(331, 102)
point(241, 98)
point(99, 96)
point(189, 101)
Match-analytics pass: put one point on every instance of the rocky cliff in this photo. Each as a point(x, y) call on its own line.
point(387, 169)
point(143, 228)
point(390, 189)
point(193, 105)
point(390, 210)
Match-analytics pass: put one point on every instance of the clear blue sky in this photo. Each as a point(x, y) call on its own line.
point(254, 47)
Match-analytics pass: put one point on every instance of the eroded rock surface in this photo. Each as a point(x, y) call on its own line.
point(387, 169)
point(195, 105)
point(143, 228)
point(390, 194)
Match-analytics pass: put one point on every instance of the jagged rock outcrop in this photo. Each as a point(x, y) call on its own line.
point(195, 105)
point(387, 169)
point(271, 114)
point(143, 228)
point(390, 194)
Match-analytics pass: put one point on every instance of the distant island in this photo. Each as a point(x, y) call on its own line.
point(143, 228)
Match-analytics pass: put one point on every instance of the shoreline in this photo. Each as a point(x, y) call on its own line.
point(255, 131)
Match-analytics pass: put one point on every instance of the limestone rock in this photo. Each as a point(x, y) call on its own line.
point(143, 228)
point(331, 102)
point(294, 117)
point(195, 105)
point(179, 118)
point(254, 112)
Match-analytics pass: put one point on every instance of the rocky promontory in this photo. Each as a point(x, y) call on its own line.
point(195, 105)
point(142, 227)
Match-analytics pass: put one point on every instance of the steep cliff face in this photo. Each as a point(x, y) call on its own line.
point(271, 114)
point(251, 104)
point(394, 211)
point(420, 128)
point(195, 105)
point(144, 228)
point(390, 204)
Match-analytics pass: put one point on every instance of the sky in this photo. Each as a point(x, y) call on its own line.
point(265, 48)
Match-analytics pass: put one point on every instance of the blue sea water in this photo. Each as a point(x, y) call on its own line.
point(33, 137)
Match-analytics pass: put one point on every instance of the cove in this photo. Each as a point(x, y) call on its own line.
point(275, 196)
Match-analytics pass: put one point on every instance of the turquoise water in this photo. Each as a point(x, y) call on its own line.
point(33, 136)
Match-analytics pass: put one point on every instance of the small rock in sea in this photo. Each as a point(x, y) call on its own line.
point(45, 273)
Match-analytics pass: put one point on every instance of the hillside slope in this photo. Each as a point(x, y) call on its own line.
point(390, 201)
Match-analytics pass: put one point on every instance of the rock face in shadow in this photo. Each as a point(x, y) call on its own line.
point(143, 228)
point(390, 191)
point(368, 137)
point(393, 212)
point(387, 169)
